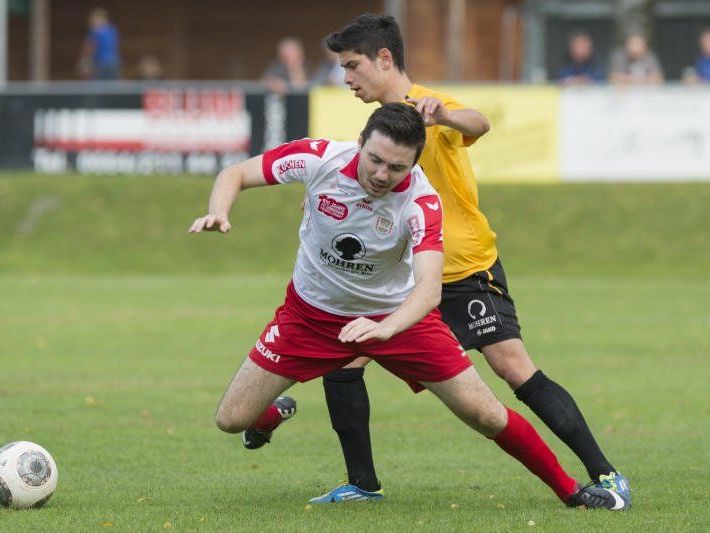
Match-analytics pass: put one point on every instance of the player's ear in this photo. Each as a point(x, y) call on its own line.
point(359, 142)
point(384, 57)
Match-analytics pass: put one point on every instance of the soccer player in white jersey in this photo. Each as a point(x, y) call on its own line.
point(367, 281)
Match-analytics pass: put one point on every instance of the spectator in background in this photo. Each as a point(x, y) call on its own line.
point(329, 72)
point(288, 71)
point(149, 68)
point(701, 72)
point(635, 63)
point(100, 59)
point(581, 68)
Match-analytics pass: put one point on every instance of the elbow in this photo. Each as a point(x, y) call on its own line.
point(485, 126)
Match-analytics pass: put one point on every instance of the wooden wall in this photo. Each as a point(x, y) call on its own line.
point(236, 39)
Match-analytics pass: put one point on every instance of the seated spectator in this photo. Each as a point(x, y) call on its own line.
point(581, 68)
point(701, 73)
point(288, 71)
point(635, 63)
point(329, 71)
point(149, 68)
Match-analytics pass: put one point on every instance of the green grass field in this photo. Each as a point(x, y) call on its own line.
point(118, 333)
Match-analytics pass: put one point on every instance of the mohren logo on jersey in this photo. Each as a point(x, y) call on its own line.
point(348, 247)
point(341, 264)
point(332, 208)
point(290, 164)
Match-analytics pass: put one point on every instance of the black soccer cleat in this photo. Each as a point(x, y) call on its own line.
point(255, 438)
point(595, 497)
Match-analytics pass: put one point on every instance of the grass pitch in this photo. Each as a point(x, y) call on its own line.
point(118, 334)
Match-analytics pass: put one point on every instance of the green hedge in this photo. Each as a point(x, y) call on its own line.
point(73, 224)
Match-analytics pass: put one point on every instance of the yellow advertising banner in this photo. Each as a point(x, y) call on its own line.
point(522, 146)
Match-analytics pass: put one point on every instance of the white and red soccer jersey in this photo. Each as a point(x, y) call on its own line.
point(355, 256)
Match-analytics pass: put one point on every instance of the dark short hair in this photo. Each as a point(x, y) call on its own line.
point(400, 122)
point(367, 35)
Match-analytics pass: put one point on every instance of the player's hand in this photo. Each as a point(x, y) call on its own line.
point(431, 109)
point(210, 223)
point(363, 329)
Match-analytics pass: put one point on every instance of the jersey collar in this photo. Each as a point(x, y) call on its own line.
point(350, 170)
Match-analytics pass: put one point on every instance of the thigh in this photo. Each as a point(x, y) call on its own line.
point(252, 390)
point(470, 399)
point(479, 309)
point(425, 352)
point(300, 347)
point(360, 362)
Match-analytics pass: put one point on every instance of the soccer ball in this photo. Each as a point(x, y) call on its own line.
point(28, 475)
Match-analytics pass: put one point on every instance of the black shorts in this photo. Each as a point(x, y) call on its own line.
point(479, 310)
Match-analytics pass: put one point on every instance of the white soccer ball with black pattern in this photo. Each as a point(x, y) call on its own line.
point(28, 475)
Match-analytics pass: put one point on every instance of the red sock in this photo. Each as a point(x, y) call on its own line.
point(269, 419)
point(520, 440)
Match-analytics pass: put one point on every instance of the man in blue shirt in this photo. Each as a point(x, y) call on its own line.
point(581, 69)
point(100, 59)
point(702, 65)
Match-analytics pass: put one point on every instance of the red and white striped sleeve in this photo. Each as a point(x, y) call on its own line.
point(294, 161)
point(424, 223)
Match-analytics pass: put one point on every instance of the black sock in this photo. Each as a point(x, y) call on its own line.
point(558, 410)
point(349, 409)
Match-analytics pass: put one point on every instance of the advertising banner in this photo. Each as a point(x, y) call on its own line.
point(522, 145)
point(635, 133)
point(157, 130)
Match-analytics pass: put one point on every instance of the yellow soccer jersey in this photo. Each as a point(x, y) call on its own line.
point(469, 241)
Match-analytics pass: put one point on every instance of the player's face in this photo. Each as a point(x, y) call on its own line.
point(363, 75)
point(383, 164)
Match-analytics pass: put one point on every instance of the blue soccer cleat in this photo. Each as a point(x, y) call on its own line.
point(617, 482)
point(347, 493)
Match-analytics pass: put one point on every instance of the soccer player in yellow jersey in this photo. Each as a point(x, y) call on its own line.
point(475, 301)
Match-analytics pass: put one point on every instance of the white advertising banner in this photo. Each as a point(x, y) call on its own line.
point(635, 133)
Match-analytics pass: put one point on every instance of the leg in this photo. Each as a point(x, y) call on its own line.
point(548, 400)
point(482, 315)
point(250, 393)
point(470, 399)
point(474, 403)
point(349, 409)
point(430, 356)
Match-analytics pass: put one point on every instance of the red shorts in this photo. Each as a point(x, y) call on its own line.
point(301, 343)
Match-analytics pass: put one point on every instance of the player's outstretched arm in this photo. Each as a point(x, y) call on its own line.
point(229, 183)
point(425, 296)
point(470, 122)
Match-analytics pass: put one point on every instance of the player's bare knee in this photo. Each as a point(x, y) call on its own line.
point(492, 420)
point(229, 421)
point(510, 361)
point(513, 374)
